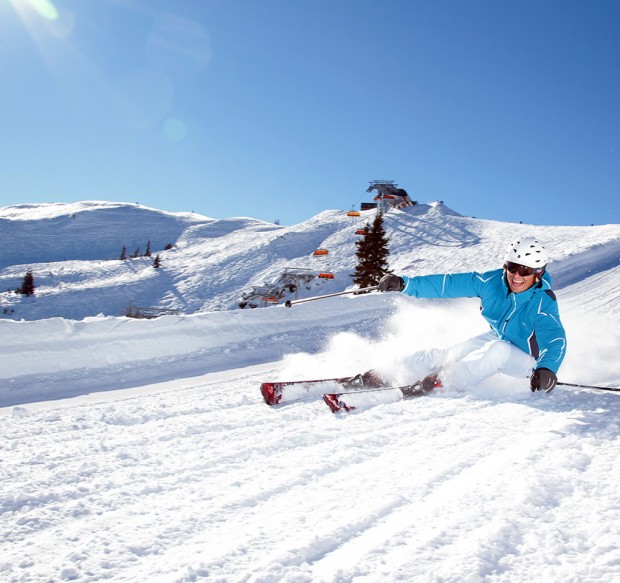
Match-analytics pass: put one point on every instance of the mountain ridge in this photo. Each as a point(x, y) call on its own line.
point(74, 249)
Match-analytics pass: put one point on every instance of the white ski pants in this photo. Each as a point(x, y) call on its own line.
point(470, 362)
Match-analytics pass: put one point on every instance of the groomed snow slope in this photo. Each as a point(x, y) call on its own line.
point(142, 451)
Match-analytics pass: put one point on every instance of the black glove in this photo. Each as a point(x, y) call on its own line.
point(391, 282)
point(543, 379)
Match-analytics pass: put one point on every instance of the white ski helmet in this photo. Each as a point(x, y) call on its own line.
point(527, 251)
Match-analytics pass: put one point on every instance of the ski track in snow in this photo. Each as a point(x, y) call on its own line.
point(135, 451)
point(203, 481)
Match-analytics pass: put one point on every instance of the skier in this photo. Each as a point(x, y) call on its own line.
point(526, 336)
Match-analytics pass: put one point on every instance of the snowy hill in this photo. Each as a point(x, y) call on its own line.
point(141, 450)
point(45, 233)
point(74, 249)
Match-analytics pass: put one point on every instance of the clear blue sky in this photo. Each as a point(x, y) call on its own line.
point(278, 109)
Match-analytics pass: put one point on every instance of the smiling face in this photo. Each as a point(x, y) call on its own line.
point(519, 283)
point(521, 277)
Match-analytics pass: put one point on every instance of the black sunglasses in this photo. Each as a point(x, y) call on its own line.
point(522, 270)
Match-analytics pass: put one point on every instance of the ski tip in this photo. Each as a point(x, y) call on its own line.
point(433, 381)
point(333, 401)
point(271, 392)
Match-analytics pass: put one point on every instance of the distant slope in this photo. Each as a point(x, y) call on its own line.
point(54, 232)
point(74, 249)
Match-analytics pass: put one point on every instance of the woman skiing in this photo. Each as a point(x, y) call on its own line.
point(526, 336)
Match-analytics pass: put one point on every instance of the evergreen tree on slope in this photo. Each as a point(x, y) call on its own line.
point(28, 286)
point(372, 253)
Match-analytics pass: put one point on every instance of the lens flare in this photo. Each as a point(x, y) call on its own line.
point(44, 8)
point(175, 129)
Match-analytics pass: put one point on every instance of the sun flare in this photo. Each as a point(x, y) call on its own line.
point(44, 8)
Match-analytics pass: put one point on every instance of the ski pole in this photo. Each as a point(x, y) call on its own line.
point(588, 387)
point(288, 303)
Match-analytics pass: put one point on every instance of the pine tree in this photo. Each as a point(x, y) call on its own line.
point(123, 256)
point(372, 253)
point(147, 253)
point(27, 287)
point(157, 262)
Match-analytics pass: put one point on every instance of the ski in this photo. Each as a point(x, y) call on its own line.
point(362, 399)
point(280, 393)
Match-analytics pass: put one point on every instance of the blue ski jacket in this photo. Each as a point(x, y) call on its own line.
point(529, 319)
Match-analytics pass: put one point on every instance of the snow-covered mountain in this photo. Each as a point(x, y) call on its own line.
point(141, 450)
point(74, 249)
